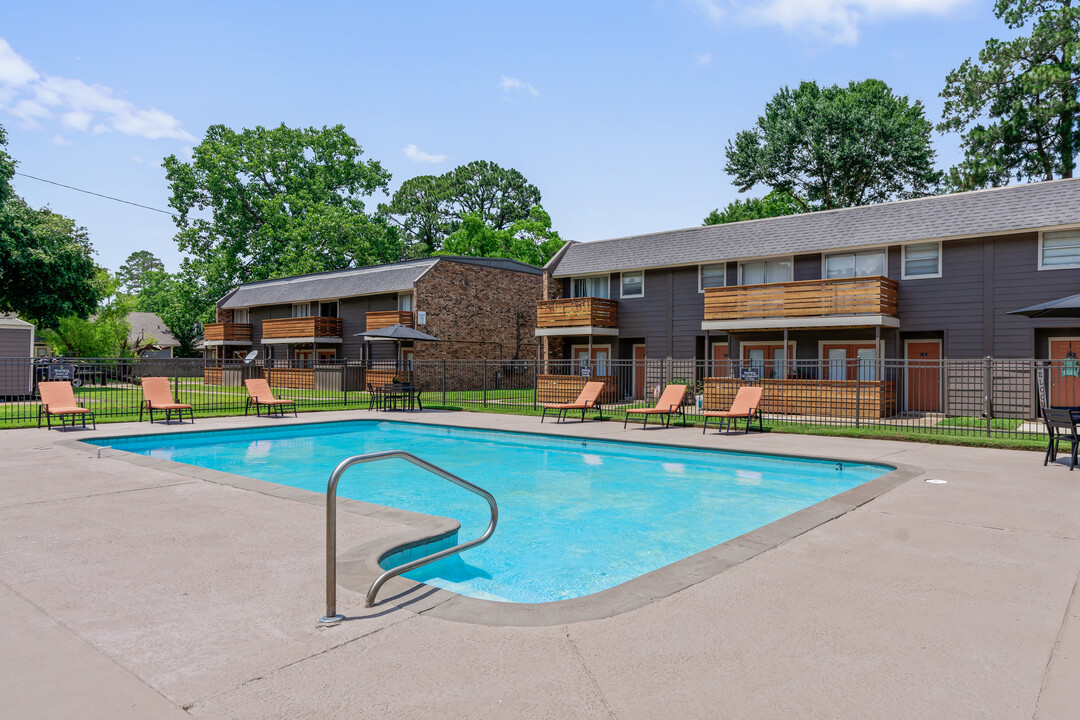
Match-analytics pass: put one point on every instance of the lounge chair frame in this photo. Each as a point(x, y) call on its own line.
point(43, 411)
point(564, 408)
point(752, 414)
point(276, 406)
point(1059, 420)
point(173, 407)
point(658, 410)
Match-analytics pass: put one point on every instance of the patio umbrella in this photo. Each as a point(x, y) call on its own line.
point(398, 333)
point(1067, 307)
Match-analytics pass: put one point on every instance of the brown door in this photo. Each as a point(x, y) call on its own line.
point(639, 372)
point(841, 360)
point(1065, 372)
point(924, 375)
point(721, 366)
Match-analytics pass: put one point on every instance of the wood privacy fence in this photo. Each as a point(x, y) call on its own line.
point(989, 397)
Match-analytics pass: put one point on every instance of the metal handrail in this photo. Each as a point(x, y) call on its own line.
point(331, 527)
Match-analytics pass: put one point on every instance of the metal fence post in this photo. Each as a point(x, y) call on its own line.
point(989, 409)
point(536, 381)
point(444, 381)
point(858, 390)
point(483, 370)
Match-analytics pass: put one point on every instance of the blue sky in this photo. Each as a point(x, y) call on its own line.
point(617, 111)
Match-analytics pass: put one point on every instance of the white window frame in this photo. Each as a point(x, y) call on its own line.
point(332, 300)
point(940, 261)
point(724, 265)
point(590, 275)
point(298, 304)
point(789, 258)
point(1054, 267)
point(247, 316)
point(412, 302)
point(884, 261)
point(630, 272)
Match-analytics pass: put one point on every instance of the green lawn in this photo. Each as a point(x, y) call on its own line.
point(978, 422)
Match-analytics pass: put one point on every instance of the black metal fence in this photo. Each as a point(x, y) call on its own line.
point(988, 397)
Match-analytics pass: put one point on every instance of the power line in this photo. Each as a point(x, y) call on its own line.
point(90, 192)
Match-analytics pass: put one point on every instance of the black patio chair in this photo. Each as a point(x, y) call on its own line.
point(375, 398)
point(1060, 425)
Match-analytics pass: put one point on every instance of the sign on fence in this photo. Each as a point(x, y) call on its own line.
point(750, 375)
point(61, 372)
point(585, 371)
point(1040, 383)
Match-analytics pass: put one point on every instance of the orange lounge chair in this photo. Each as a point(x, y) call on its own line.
point(745, 405)
point(259, 394)
point(670, 403)
point(587, 400)
point(157, 395)
point(57, 398)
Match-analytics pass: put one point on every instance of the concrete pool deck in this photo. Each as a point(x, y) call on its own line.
point(132, 591)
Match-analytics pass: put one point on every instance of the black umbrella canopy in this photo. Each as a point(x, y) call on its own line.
point(1067, 307)
point(396, 332)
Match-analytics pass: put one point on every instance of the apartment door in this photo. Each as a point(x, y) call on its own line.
point(600, 355)
point(769, 358)
point(1065, 371)
point(720, 358)
point(639, 371)
point(923, 375)
point(407, 358)
point(848, 361)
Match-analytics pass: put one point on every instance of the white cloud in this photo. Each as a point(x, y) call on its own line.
point(79, 104)
point(510, 84)
point(60, 140)
point(709, 8)
point(703, 58)
point(417, 155)
point(14, 71)
point(837, 21)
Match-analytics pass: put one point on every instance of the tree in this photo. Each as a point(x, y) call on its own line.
point(106, 334)
point(1026, 89)
point(133, 272)
point(277, 202)
point(429, 208)
point(46, 269)
point(837, 146)
point(177, 300)
point(775, 204)
point(530, 240)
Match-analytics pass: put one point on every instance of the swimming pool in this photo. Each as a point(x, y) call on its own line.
point(576, 516)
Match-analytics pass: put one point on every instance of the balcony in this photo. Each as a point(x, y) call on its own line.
point(843, 302)
point(227, 333)
point(577, 316)
point(302, 330)
point(377, 320)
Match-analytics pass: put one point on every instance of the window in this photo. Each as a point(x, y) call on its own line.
point(404, 302)
point(1060, 250)
point(328, 309)
point(711, 276)
point(855, 264)
point(594, 286)
point(300, 310)
point(765, 271)
point(633, 284)
point(240, 315)
point(921, 261)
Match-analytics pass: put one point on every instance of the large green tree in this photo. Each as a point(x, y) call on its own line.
point(1017, 106)
point(262, 203)
point(106, 334)
point(179, 302)
point(834, 147)
point(530, 240)
point(133, 273)
point(775, 204)
point(428, 208)
point(46, 269)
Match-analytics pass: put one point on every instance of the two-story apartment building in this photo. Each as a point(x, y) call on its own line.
point(922, 279)
point(476, 307)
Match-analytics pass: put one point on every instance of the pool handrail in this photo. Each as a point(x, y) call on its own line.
point(331, 527)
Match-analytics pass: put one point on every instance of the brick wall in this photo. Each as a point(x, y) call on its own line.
point(480, 312)
point(223, 316)
point(551, 348)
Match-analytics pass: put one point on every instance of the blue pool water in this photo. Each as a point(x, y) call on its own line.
point(575, 516)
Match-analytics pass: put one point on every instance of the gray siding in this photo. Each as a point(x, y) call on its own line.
point(352, 311)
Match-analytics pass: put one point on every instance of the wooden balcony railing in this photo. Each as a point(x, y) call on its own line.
point(805, 298)
point(376, 320)
point(302, 327)
point(577, 312)
point(227, 331)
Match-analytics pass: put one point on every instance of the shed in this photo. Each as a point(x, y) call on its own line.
point(16, 353)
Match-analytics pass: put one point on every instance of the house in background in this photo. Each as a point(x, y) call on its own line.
point(920, 280)
point(16, 346)
point(477, 307)
point(148, 327)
